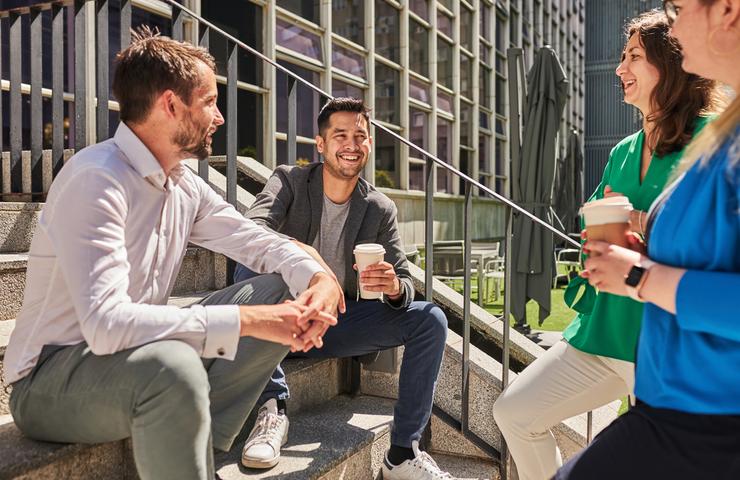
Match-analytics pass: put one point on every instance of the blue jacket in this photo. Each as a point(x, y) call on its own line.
point(690, 361)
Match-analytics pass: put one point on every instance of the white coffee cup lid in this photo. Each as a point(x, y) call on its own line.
point(369, 248)
point(607, 210)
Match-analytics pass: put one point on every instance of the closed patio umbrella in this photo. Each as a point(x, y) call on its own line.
point(532, 182)
point(568, 191)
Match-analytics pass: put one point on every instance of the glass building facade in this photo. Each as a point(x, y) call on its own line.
point(432, 71)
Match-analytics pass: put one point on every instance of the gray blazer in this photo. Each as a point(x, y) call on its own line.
point(292, 202)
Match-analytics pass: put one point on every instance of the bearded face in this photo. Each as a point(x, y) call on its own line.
point(194, 136)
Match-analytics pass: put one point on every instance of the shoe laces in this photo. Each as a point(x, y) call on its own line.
point(425, 462)
point(267, 427)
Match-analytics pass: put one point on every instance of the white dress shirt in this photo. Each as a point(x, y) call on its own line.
point(109, 245)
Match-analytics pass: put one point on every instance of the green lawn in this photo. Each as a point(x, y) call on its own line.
point(560, 314)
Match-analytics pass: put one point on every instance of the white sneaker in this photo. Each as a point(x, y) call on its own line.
point(421, 467)
point(270, 432)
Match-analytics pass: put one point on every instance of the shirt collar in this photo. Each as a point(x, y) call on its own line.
point(142, 159)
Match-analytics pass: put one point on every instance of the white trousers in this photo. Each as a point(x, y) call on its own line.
point(560, 384)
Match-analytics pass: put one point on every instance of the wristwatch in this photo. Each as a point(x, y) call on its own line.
point(636, 277)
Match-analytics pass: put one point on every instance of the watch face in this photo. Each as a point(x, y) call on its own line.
point(633, 278)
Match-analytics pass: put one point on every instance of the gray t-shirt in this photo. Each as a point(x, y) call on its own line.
point(330, 238)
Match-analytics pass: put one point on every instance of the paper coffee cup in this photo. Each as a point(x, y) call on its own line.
point(608, 219)
point(366, 254)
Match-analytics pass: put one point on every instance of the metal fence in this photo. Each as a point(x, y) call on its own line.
point(28, 174)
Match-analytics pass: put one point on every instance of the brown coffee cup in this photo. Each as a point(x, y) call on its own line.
point(608, 220)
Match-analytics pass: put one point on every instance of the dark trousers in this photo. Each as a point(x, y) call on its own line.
point(655, 443)
point(372, 326)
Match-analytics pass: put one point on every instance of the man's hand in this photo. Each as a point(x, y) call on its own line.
point(279, 323)
point(315, 255)
point(315, 303)
point(381, 277)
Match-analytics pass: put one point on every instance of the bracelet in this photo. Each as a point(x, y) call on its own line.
point(639, 222)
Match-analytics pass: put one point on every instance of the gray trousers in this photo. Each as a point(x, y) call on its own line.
point(175, 405)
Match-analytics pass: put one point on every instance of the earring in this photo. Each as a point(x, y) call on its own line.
point(717, 52)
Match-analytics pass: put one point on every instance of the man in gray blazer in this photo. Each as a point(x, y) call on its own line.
point(327, 209)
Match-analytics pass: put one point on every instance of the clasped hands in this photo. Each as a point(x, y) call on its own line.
point(300, 323)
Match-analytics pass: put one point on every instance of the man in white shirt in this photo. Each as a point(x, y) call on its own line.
point(97, 354)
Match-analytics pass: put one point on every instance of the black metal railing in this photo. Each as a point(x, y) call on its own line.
point(24, 178)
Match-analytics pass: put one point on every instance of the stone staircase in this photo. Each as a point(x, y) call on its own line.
point(333, 434)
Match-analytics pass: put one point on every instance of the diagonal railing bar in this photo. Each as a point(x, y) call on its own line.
point(437, 161)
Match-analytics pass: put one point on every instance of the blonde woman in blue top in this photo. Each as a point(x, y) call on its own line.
point(686, 424)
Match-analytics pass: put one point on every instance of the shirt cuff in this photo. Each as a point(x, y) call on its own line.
point(222, 331)
point(301, 275)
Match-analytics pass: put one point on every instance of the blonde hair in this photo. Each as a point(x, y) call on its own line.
point(712, 137)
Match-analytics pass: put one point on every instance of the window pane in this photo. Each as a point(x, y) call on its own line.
point(348, 20)
point(298, 40)
point(447, 3)
point(249, 117)
point(417, 176)
point(514, 28)
point(305, 153)
point(466, 76)
point(386, 31)
point(484, 119)
point(307, 101)
point(347, 60)
point(243, 20)
point(485, 21)
point(501, 126)
point(418, 48)
point(485, 54)
point(484, 160)
point(308, 9)
point(500, 96)
point(419, 90)
point(341, 89)
point(420, 7)
point(500, 157)
point(444, 153)
point(444, 63)
point(444, 102)
point(444, 24)
point(386, 94)
point(466, 28)
point(500, 34)
point(466, 124)
point(465, 167)
point(386, 160)
point(418, 131)
point(484, 95)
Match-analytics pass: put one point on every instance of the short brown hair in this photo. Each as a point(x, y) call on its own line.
point(679, 97)
point(341, 104)
point(151, 65)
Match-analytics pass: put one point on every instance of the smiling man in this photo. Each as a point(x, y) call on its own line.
point(328, 209)
point(97, 354)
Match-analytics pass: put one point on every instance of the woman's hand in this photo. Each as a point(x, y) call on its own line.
point(608, 266)
point(638, 218)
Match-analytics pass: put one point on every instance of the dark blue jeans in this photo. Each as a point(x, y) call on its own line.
point(371, 326)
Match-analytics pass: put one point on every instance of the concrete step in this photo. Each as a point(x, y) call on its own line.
point(485, 387)
point(201, 270)
point(346, 438)
point(312, 382)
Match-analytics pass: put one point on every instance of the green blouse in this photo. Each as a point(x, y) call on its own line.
point(613, 326)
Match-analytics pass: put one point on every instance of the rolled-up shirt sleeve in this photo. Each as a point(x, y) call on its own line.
point(221, 228)
point(92, 255)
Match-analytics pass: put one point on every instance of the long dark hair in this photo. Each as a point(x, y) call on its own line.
point(679, 97)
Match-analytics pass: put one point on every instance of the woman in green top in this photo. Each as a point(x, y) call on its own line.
point(594, 365)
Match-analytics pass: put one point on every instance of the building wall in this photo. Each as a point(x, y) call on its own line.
point(608, 118)
point(432, 71)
